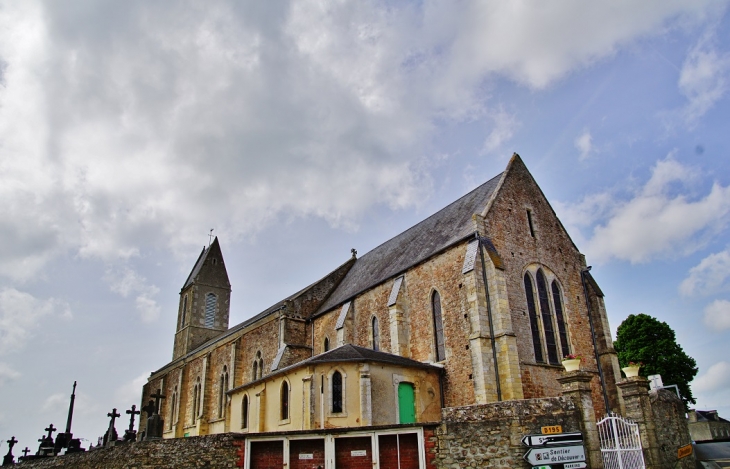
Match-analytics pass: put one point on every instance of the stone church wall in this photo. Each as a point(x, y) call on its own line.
point(508, 227)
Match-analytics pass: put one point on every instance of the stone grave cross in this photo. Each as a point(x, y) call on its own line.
point(26, 451)
point(9, 460)
point(50, 431)
point(157, 397)
point(132, 412)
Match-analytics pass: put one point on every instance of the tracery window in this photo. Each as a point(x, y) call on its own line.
point(336, 392)
point(376, 334)
point(438, 327)
point(284, 401)
point(547, 318)
point(210, 303)
point(258, 367)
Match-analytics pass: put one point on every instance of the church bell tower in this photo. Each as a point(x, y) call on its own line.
point(204, 302)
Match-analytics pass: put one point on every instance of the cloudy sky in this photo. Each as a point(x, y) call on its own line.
point(299, 130)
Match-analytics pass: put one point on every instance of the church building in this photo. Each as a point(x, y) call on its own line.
point(476, 304)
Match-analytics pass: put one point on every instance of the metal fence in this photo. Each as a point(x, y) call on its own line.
point(620, 443)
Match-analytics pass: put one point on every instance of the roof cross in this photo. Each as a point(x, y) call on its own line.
point(26, 451)
point(210, 237)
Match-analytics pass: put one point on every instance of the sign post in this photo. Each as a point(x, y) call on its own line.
point(555, 455)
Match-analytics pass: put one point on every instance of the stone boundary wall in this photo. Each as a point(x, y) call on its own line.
point(672, 428)
point(210, 452)
point(488, 435)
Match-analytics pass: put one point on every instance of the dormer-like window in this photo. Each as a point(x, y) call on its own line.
point(210, 304)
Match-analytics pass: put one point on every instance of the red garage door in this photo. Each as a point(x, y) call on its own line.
point(398, 451)
point(353, 453)
point(267, 454)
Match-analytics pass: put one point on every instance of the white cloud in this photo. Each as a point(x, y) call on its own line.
point(584, 144)
point(125, 281)
point(716, 378)
point(504, 126)
point(659, 220)
point(145, 126)
point(704, 78)
point(717, 315)
point(131, 391)
point(709, 276)
point(7, 373)
point(21, 313)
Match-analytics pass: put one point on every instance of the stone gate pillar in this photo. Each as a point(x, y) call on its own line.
point(577, 386)
point(635, 392)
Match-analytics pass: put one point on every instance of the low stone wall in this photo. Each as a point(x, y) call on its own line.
point(672, 429)
point(210, 452)
point(489, 435)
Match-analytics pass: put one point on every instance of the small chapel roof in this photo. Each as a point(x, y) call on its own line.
point(444, 228)
point(348, 353)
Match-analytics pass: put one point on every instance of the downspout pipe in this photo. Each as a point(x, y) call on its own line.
point(489, 315)
point(583, 274)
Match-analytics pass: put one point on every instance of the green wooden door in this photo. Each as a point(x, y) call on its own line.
point(406, 403)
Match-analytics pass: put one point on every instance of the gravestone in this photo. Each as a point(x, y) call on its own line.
point(155, 423)
point(9, 460)
point(111, 436)
point(130, 434)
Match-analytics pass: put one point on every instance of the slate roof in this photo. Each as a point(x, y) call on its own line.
point(709, 416)
point(449, 225)
point(347, 353)
point(199, 264)
point(355, 353)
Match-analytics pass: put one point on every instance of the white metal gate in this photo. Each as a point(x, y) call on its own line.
point(620, 443)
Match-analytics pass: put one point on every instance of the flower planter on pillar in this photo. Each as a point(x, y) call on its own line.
point(571, 364)
point(631, 371)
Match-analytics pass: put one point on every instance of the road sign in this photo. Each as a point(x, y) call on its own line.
point(552, 429)
point(575, 465)
point(684, 451)
point(556, 455)
point(559, 439)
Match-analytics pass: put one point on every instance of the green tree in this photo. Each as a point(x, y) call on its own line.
point(642, 338)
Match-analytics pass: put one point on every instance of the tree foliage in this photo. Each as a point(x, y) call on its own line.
point(642, 338)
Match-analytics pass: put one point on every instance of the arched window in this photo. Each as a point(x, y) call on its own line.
point(173, 405)
point(532, 311)
point(244, 412)
point(438, 327)
point(184, 311)
point(547, 319)
point(326, 344)
point(562, 331)
point(284, 401)
point(376, 334)
point(196, 400)
point(255, 371)
point(223, 387)
point(210, 301)
point(336, 392)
